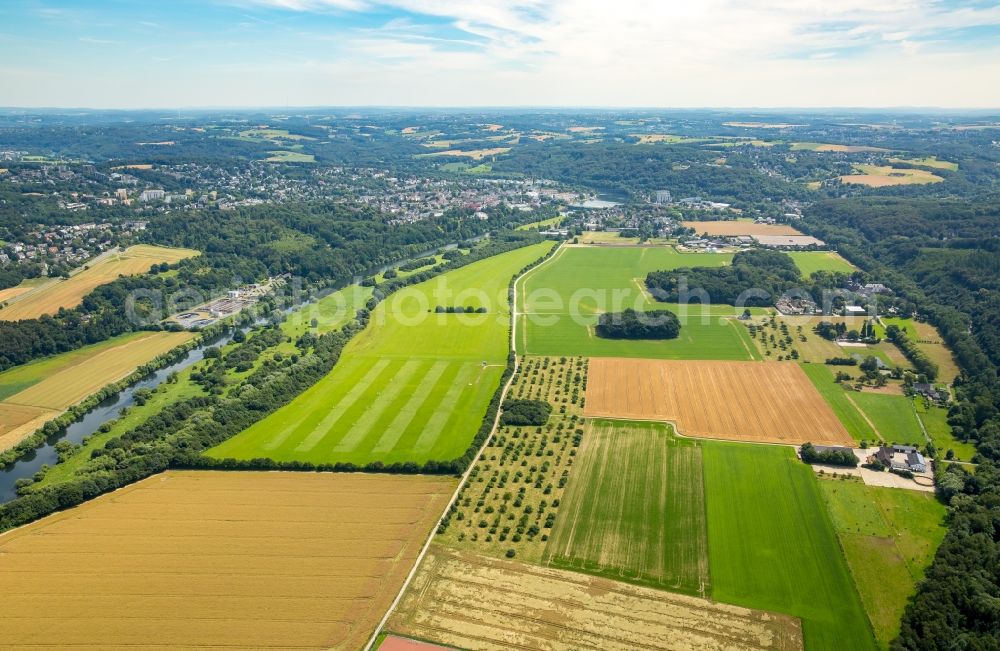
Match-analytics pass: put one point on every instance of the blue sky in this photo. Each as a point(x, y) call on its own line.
point(182, 53)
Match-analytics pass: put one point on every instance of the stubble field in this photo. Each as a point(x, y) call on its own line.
point(635, 509)
point(735, 227)
point(475, 602)
point(742, 401)
point(218, 560)
point(413, 386)
point(48, 298)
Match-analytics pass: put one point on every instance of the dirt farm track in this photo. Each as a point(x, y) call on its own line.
point(766, 402)
point(246, 560)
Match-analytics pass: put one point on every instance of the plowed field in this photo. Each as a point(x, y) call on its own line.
point(740, 401)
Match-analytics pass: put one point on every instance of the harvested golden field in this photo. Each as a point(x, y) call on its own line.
point(738, 401)
point(219, 559)
point(70, 293)
point(74, 383)
point(11, 292)
point(880, 176)
point(66, 384)
point(17, 422)
point(827, 147)
point(762, 125)
point(733, 228)
point(474, 602)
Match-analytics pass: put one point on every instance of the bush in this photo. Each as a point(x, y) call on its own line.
point(832, 457)
point(525, 412)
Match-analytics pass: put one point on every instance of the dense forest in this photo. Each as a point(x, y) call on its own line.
point(945, 257)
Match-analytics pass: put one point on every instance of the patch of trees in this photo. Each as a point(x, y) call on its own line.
point(630, 324)
point(525, 412)
point(413, 265)
point(810, 454)
point(842, 361)
point(921, 362)
point(458, 309)
point(755, 279)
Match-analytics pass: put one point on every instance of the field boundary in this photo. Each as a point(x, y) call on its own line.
point(514, 313)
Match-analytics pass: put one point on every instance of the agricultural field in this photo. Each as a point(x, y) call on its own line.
point(635, 509)
point(609, 238)
point(413, 386)
point(515, 490)
point(843, 149)
point(551, 222)
point(735, 227)
point(847, 412)
point(810, 262)
point(889, 537)
point(284, 156)
point(562, 299)
point(219, 559)
point(743, 401)
point(779, 337)
point(474, 154)
point(928, 161)
point(48, 298)
point(331, 312)
point(469, 601)
point(928, 340)
point(772, 546)
point(935, 421)
point(893, 417)
point(880, 176)
point(39, 391)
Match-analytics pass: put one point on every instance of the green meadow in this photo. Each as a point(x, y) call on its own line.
point(772, 545)
point(935, 421)
point(413, 386)
point(809, 262)
point(893, 416)
point(634, 509)
point(889, 537)
point(561, 301)
point(823, 379)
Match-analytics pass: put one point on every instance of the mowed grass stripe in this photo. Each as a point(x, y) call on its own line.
point(435, 425)
point(323, 427)
point(409, 411)
point(288, 421)
point(384, 400)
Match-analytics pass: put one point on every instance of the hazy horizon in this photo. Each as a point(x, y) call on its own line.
point(523, 53)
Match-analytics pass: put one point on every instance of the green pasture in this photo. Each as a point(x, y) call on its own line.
point(772, 545)
point(561, 301)
point(822, 378)
point(810, 262)
point(935, 420)
point(893, 416)
point(889, 537)
point(413, 386)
